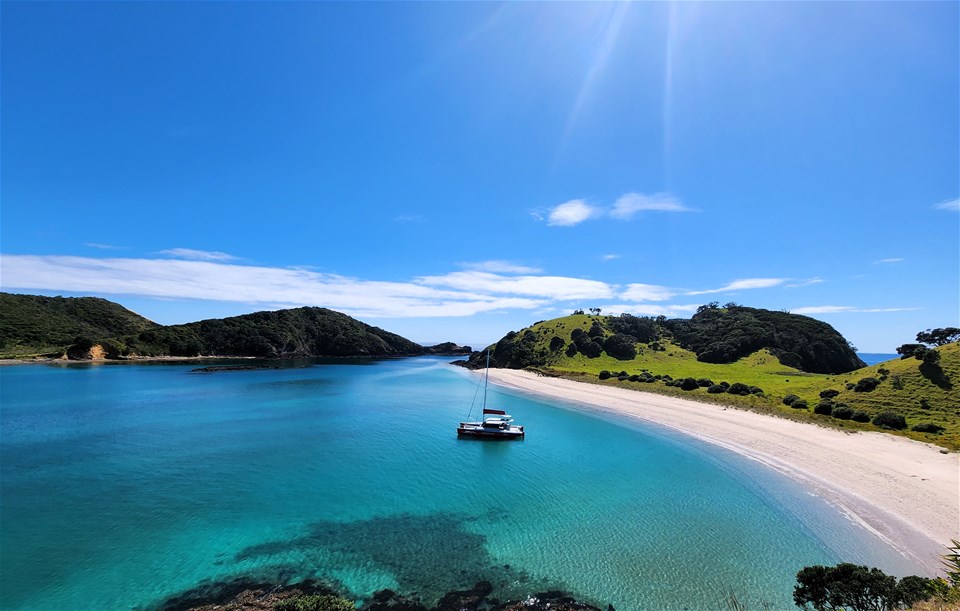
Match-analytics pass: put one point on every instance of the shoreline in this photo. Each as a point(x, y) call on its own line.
point(906, 492)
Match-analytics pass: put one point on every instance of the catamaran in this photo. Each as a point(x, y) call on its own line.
point(496, 424)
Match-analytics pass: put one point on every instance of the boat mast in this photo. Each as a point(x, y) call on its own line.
point(486, 380)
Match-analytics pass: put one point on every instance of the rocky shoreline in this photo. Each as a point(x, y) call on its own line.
point(247, 595)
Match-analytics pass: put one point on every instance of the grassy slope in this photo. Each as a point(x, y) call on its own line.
point(764, 370)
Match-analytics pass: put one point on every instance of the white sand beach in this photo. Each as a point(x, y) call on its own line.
point(908, 492)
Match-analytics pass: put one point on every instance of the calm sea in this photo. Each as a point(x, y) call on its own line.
point(872, 358)
point(125, 484)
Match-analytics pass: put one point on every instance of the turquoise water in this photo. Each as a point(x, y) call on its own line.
point(125, 484)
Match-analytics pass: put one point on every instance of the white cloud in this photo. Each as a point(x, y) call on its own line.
point(807, 282)
point(745, 283)
point(631, 203)
point(572, 213)
point(831, 309)
point(197, 255)
point(104, 246)
point(276, 287)
point(646, 292)
point(891, 260)
point(610, 257)
point(501, 267)
point(547, 287)
point(950, 204)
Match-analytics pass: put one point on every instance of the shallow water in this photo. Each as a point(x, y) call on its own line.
point(123, 485)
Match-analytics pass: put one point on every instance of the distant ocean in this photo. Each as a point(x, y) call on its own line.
point(872, 358)
point(122, 485)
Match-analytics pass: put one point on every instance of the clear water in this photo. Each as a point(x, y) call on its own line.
point(873, 358)
point(125, 484)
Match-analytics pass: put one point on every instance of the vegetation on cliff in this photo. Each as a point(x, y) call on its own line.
point(80, 326)
point(31, 324)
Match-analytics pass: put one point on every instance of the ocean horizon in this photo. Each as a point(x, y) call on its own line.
point(126, 484)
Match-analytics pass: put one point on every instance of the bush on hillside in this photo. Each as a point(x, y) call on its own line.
point(642, 329)
point(315, 602)
point(799, 404)
point(829, 394)
point(866, 385)
point(621, 347)
point(755, 390)
point(842, 412)
point(689, 384)
point(717, 389)
point(705, 382)
point(591, 350)
point(824, 407)
point(790, 399)
point(891, 420)
point(860, 416)
point(604, 375)
point(928, 427)
point(595, 330)
point(556, 343)
point(571, 349)
point(932, 357)
point(738, 388)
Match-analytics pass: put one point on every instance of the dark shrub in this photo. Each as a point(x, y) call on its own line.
point(897, 383)
point(556, 343)
point(866, 385)
point(315, 602)
point(725, 384)
point(634, 378)
point(849, 385)
point(705, 382)
point(829, 394)
point(790, 399)
point(884, 372)
point(666, 377)
point(571, 349)
point(595, 330)
point(591, 349)
point(621, 347)
point(932, 357)
point(689, 384)
point(928, 427)
point(739, 389)
point(756, 390)
point(860, 416)
point(716, 389)
point(604, 375)
point(842, 412)
point(891, 420)
point(825, 407)
point(907, 350)
point(799, 404)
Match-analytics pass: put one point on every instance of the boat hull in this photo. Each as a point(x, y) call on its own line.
point(480, 432)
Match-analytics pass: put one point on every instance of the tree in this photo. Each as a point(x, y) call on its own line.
point(595, 311)
point(556, 343)
point(621, 347)
point(689, 384)
point(854, 588)
point(907, 350)
point(578, 312)
point(931, 357)
point(939, 337)
point(891, 420)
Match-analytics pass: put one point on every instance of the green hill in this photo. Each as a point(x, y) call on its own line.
point(32, 325)
point(299, 332)
point(645, 354)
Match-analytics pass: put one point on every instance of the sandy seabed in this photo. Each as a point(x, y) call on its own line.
point(905, 491)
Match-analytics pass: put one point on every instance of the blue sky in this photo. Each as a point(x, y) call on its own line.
point(452, 171)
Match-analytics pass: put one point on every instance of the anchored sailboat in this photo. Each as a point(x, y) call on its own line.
point(496, 424)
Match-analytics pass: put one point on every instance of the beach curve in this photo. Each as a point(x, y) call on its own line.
point(905, 491)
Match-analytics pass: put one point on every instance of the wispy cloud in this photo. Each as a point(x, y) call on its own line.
point(807, 282)
point(104, 246)
point(610, 257)
point(501, 267)
point(571, 213)
point(276, 287)
point(646, 292)
point(950, 204)
point(890, 260)
point(832, 309)
point(743, 284)
point(197, 255)
point(408, 218)
point(630, 204)
point(626, 207)
point(549, 287)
